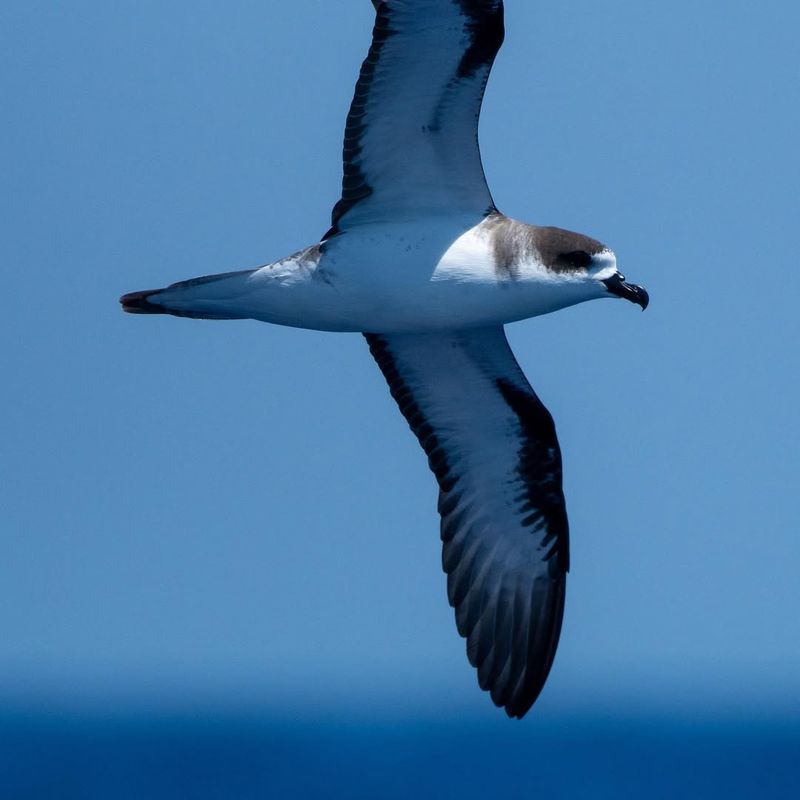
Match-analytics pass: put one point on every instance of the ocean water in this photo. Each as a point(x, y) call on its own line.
point(203, 756)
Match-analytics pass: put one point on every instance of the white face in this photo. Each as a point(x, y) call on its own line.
point(584, 281)
point(603, 265)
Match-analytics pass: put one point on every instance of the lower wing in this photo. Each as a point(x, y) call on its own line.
point(492, 446)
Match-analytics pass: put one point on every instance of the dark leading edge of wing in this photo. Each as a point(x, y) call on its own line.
point(411, 137)
point(492, 446)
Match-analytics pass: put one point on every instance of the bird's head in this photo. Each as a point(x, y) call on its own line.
point(588, 261)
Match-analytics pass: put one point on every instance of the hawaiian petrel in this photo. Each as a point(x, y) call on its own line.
point(420, 261)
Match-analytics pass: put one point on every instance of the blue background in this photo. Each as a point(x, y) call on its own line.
point(222, 530)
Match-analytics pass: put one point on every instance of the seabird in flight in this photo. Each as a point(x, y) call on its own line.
point(419, 260)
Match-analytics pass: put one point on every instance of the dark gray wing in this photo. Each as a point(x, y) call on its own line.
point(411, 138)
point(493, 448)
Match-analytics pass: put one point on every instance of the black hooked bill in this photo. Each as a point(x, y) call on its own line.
point(629, 291)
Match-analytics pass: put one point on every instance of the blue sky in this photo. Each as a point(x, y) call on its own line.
point(197, 509)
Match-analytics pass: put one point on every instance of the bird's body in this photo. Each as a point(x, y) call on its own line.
point(419, 259)
point(433, 275)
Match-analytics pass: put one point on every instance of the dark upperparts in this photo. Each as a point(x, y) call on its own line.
point(540, 470)
point(486, 28)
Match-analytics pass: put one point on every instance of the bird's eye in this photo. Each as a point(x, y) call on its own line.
point(576, 259)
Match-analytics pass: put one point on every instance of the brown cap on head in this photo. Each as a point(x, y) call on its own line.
point(559, 250)
point(565, 251)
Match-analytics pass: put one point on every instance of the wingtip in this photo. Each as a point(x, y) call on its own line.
point(517, 708)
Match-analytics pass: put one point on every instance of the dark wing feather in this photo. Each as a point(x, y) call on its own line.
point(493, 448)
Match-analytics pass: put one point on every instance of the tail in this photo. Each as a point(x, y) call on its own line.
point(188, 299)
point(137, 303)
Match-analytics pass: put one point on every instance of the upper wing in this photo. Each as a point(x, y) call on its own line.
point(411, 138)
point(492, 446)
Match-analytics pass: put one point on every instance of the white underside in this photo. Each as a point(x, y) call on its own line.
point(405, 277)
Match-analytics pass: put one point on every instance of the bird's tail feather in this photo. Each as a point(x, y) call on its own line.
point(197, 298)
